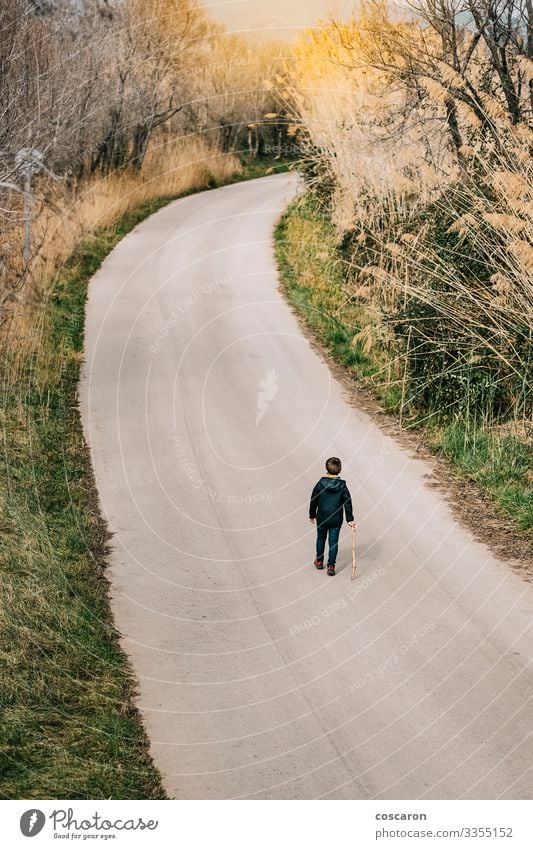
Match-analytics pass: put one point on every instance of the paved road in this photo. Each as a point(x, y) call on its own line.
point(209, 416)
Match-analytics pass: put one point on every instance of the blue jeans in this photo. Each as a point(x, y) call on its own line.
point(322, 535)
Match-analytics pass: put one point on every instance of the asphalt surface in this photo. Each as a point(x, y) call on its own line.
point(209, 416)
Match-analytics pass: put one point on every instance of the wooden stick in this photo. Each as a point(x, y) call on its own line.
point(353, 553)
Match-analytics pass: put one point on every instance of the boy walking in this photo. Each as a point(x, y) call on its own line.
point(330, 499)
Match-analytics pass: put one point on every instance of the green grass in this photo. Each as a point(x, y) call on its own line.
point(68, 723)
point(501, 465)
point(313, 272)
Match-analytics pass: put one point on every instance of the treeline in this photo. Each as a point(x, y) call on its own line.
point(419, 144)
point(96, 90)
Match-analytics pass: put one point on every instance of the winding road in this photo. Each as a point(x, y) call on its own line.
point(209, 416)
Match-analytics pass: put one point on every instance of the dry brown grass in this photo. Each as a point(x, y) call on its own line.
point(63, 217)
point(68, 721)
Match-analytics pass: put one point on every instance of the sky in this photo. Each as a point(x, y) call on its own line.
point(272, 18)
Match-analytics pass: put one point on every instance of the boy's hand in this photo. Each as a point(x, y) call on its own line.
point(351, 524)
point(311, 520)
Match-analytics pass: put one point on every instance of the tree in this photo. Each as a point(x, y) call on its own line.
point(235, 92)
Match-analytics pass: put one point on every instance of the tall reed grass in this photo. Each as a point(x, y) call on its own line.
point(438, 243)
point(63, 216)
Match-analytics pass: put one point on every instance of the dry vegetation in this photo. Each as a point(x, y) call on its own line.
point(419, 141)
point(106, 105)
point(109, 110)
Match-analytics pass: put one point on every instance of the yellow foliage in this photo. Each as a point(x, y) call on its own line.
point(435, 90)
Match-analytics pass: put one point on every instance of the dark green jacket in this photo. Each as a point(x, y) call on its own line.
point(329, 500)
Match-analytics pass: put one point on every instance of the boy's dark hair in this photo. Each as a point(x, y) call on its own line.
point(333, 466)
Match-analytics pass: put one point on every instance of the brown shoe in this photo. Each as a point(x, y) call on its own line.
point(331, 569)
point(319, 563)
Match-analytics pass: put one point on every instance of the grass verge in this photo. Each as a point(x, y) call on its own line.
point(313, 274)
point(69, 727)
point(499, 464)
